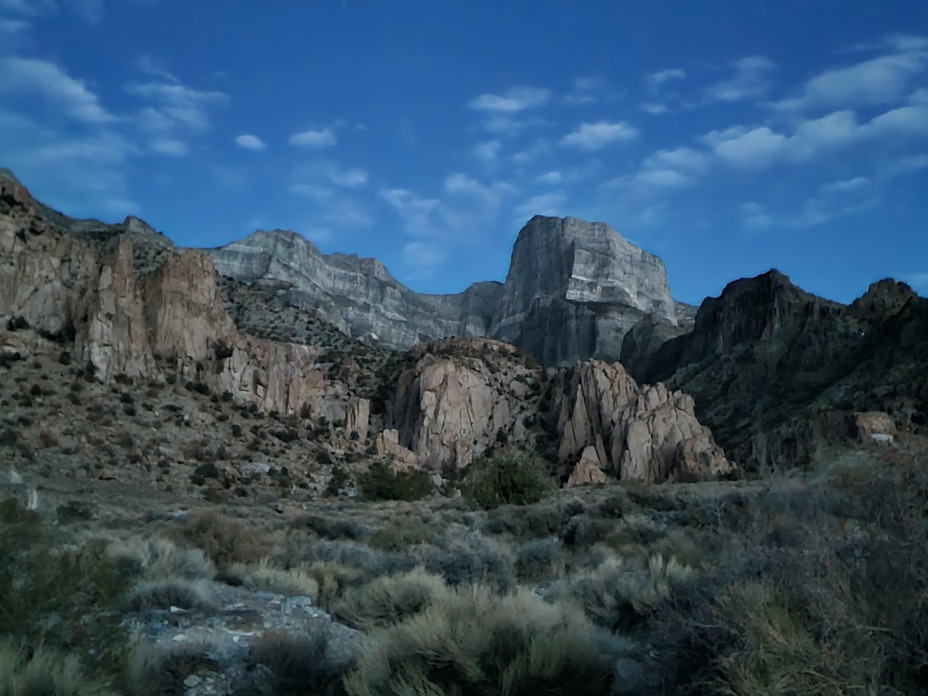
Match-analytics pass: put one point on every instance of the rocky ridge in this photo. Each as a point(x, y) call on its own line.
point(573, 289)
point(777, 372)
point(440, 406)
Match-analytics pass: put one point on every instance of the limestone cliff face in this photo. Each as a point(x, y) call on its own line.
point(359, 296)
point(573, 290)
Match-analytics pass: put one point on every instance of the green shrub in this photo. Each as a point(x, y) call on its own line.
point(381, 483)
point(472, 642)
point(45, 673)
point(506, 478)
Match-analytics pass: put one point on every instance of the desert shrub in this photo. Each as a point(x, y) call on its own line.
point(402, 532)
point(838, 609)
point(155, 670)
point(223, 539)
point(389, 599)
point(295, 665)
point(45, 673)
point(465, 557)
point(620, 595)
point(380, 482)
point(509, 477)
point(525, 522)
point(540, 559)
point(473, 642)
point(262, 576)
point(76, 510)
point(327, 527)
point(59, 597)
point(164, 594)
point(332, 579)
point(158, 558)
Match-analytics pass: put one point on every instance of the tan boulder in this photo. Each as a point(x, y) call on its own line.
point(387, 444)
point(588, 470)
point(875, 426)
point(699, 458)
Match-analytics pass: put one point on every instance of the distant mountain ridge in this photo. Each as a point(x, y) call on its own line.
point(573, 290)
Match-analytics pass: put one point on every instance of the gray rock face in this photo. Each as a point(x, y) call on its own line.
point(359, 296)
point(573, 290)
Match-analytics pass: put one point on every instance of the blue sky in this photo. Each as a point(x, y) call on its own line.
point(728, 137)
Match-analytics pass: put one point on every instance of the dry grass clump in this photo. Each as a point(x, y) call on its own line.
point(45, 673)
point(473, 642)
point(621, 594)
point(164, 594)
point(223, 539)
point(158, 558)
point(264, 577)
point(389, 599)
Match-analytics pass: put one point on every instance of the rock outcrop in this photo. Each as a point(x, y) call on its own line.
point(636, 432)
point(123, 302)
point(777, 372)
point(573, 290)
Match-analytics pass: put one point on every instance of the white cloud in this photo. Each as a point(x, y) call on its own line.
point(587, 91)
point(883, 80)
point(27, 7)
point(424, 257)
point(14, 33)
point(487, 151)
point(330, 172)
point(595, 136)
point(846, 185)
point(655, 109)
point(183, 106)
point(250, 142)
point(351, 178)
point(551, 204)
point(515, 100)
point(750, 81)
point(36, 76)
point(907, 165)
point(682, 158)
point(661, 178)
point(919, 96)
point(314, 138)
point(755, 218)
point(656, 79)
point(552, 177)
point(760, 148)
point(152, 66)
point(170, 147)
point(421, 215)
